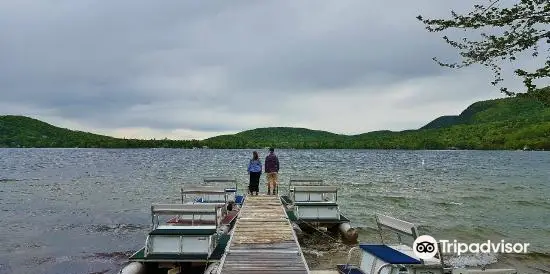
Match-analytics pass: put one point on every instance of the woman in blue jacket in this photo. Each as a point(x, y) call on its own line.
point(255, 170)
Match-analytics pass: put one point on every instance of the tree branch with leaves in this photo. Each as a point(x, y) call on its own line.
point(506, 32)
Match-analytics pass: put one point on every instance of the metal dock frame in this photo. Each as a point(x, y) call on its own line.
point(263, 241)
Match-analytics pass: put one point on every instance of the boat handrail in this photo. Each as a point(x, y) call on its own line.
point(192, 210)
point(203, 190)
point(317, 189)
point(229, 183)
point(185, 209)
point(306, 180)
point(303, 181)
point(220, 179)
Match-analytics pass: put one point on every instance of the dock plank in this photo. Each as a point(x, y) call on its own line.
point(263, 240)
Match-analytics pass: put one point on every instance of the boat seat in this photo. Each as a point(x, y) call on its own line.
point(239, 199)
point(396, 225)
point(388, 254)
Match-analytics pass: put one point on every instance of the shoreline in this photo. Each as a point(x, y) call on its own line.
point(280, 148)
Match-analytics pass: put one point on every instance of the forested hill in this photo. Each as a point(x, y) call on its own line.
point(282, 137)
point(21, 131)
point(511, 123)
point(509, 109)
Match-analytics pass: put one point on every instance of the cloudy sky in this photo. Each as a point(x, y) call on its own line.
point(195, 69)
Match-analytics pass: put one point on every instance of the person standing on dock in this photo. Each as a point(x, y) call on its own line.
point(255, 171)
point(271, 169)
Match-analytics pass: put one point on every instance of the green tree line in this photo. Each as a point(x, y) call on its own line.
point(510, 123)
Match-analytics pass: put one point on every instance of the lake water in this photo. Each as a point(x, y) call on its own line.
point(86, 210)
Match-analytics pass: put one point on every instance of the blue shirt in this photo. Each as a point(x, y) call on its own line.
point(255, 166)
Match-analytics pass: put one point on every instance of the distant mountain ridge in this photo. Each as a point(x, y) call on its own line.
point(509, 123)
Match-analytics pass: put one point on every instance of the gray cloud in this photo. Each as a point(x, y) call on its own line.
point(213, 66)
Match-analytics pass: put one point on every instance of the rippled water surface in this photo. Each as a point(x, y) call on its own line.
point(86, 210)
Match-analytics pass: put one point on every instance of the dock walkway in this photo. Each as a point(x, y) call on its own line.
point(263, 240)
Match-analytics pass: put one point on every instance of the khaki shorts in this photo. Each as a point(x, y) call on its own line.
point(272, 178)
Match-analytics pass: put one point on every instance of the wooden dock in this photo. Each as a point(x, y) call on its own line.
point(263, 240)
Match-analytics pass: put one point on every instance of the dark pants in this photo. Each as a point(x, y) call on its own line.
point(254, 182)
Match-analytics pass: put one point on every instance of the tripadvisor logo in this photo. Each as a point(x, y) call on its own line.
point(425, 247)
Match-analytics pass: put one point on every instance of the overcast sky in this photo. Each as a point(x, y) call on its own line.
point(195, 69)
